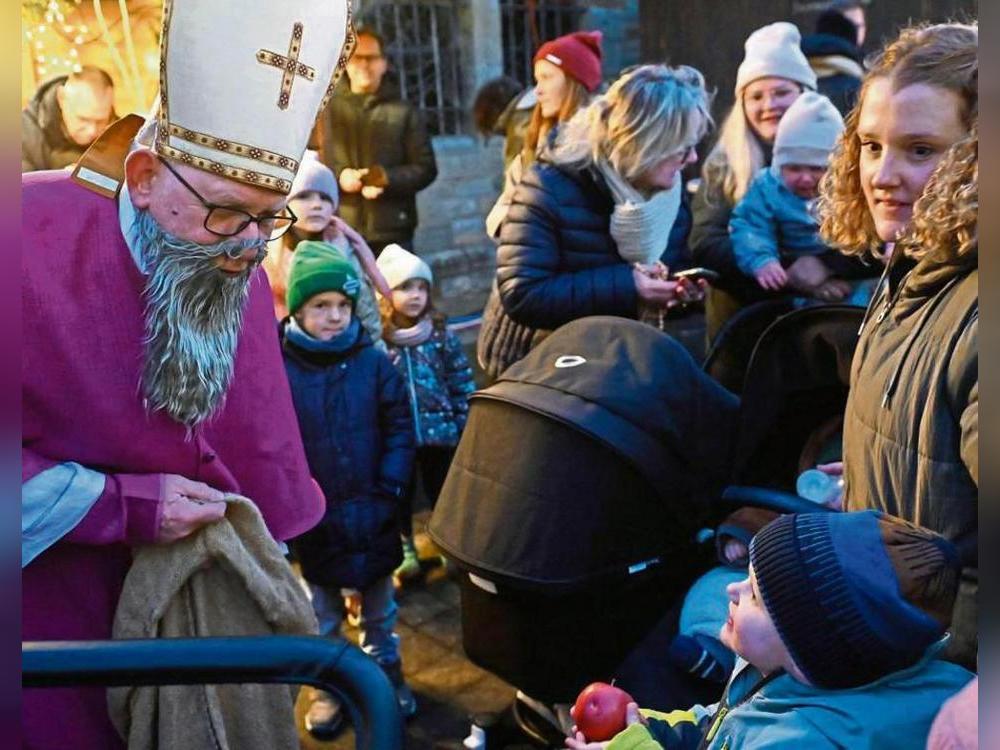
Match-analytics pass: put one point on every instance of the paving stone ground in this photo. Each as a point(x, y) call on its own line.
point(448, 687)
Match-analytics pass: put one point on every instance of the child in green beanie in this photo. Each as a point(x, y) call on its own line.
point(354, 416)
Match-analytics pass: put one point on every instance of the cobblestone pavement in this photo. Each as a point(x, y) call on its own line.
point(448, 687)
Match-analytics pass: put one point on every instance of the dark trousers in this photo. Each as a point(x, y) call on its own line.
point(430, 468)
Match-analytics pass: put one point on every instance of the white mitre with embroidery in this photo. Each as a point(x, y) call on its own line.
point(241, 83)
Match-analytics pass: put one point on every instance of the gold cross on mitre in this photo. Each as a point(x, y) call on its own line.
point(289, 64)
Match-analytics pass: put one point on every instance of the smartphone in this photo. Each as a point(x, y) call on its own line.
point(697, 273)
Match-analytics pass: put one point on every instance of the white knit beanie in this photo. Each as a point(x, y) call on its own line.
point(398, 265)
point(774, 50)
point(807, 133)
point(315, 175)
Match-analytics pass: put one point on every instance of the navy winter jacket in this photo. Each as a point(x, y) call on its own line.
point(557, 260)
point(356, 427)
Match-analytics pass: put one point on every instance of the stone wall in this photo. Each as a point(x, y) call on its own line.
point(451, 235)
point(618, 20)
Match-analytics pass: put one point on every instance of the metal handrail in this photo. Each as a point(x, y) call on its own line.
point(326, 663)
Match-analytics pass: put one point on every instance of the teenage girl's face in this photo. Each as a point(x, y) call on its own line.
point(409, 299)
point(313, 209)
point(903, 136)
point(765, 102)
point(550, 87)
point(325, 315)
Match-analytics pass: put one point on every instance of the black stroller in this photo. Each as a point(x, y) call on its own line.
point(585, 473)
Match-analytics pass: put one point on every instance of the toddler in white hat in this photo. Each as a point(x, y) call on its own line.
point(775, 224)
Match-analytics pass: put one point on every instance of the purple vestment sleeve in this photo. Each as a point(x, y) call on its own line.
point(127, 511)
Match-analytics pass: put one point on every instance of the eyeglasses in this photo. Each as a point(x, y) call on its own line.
point(225, 221)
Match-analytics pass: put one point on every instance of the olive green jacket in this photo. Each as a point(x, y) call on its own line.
point(911, 426)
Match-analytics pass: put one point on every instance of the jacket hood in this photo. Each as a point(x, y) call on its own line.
point(822, 45)
point(931, 273)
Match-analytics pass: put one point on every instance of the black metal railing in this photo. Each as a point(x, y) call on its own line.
point(526, 24)
point(329, 664)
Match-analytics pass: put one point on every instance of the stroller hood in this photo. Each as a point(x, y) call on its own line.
point(593, 455)
point(632, 388)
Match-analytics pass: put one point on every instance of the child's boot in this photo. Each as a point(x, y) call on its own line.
point(410, 567)
point(325, 715)
point(404, 696)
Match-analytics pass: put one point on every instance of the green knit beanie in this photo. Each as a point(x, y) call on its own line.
point(319, 267)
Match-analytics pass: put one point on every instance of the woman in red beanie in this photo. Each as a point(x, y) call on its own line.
point(567, 72)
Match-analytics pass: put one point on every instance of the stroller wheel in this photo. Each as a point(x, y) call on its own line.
point(538, 721)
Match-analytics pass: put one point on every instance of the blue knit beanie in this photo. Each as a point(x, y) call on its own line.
point(854, 596)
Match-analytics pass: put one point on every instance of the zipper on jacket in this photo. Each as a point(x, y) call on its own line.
point(875, 297)
point(413, 395)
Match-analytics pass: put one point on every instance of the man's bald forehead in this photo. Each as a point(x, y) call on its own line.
point(91, 76)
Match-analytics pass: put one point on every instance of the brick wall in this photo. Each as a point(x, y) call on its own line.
point(451, 235)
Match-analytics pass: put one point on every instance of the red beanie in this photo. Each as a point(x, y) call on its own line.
point(578, 54)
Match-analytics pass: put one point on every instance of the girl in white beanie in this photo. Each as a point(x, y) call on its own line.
point(775, 223)
point(773, 74)
point(437, 373)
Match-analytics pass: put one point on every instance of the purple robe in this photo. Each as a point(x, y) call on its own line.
point(83, 316)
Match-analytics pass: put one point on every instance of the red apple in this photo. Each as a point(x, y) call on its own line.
point(599, 711)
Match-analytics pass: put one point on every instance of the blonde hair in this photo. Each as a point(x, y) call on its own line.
point(943, 55)
point(576, 96)
point(734, 159)
point(649, 113)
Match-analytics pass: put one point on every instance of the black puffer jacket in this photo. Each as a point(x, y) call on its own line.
point(838, 66)
point(557, 261)
point(364, 131)
point(44, 143)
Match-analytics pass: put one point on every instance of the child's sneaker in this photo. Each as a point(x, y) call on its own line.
point(352, 604)
point(325, 715)
point(404, 696)
point(410, 567)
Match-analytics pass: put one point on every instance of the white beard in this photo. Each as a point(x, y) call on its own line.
point(194, 314)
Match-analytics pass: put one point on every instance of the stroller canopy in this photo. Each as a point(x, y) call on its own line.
point(594, 454)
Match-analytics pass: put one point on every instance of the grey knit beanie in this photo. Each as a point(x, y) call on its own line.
point(314, 175)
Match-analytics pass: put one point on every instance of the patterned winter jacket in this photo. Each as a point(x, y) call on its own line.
point(439, 380)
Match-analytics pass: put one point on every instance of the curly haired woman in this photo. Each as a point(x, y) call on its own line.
point(904, 186)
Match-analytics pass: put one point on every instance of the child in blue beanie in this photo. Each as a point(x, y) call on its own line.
point(838, 628)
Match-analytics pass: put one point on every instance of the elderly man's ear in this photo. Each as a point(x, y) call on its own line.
point(141, 168)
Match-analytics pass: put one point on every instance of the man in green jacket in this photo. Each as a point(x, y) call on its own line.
point(378, 148)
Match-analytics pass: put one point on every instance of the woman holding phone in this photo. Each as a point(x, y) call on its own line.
point(592, 216)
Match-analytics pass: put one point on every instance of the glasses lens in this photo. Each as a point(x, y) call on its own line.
point(275, 226)
point(226, 221)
